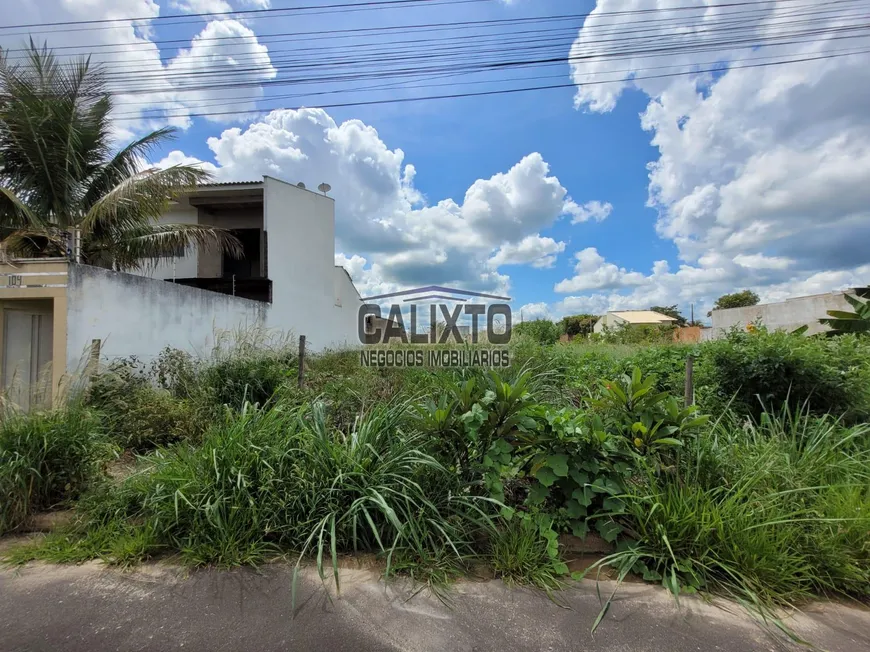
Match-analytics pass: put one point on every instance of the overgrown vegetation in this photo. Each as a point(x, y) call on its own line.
point(47, 460)
point(439, 471)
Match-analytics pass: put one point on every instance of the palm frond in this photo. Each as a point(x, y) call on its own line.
point(15, 213)
point(125, 164)
point(149, 243)
point(55, 128)
point(139, 199)
point(34, 243)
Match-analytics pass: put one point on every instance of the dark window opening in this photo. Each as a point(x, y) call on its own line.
point(249, 265)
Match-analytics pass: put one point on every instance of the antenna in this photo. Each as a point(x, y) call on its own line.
point(324, 188)
point(300, 185)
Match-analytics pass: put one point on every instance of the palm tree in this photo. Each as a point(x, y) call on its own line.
point(843, 321)
point(59, 174)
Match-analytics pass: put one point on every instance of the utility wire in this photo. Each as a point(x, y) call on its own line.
point(426, 27)
point(502, 63)
point(248, 13)
point(443, 50)
point(732, 19)
point(503, 91)
point(717, 66)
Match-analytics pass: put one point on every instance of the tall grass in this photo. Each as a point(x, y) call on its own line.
point(281, 478)
point(768, 513)
point(47, 459)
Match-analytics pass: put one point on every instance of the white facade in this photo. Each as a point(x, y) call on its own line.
point(786, 315)
point(292, 258)
point(608, 322)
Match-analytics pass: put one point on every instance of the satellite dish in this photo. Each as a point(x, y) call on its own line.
point(324, 188)
point(300, 185)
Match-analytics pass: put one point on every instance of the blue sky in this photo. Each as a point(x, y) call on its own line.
point(752, 177)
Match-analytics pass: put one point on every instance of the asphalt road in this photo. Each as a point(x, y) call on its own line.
point(88, 608)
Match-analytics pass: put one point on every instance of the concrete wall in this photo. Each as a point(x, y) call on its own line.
point(134, 315)
point(309, 295)
point(785, 315)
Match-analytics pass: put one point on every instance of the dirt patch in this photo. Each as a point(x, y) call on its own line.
point(7, 543)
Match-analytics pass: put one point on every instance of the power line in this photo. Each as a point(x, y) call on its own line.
point(496, 63)
point(436, 48)
point(404, 86)
point(241, 12)
point(373, 4)
point(648, 25)
point(504, 91)
point(395, 52)
point(373, 31)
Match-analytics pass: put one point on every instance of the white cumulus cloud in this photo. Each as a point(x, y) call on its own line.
point(390, 234)
point(532, 250)
point(761, 175)
point(593, 273)
point(149, 92)
point(591, 210)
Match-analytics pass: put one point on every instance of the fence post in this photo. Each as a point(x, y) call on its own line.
point(94, 357)
point(690, 385)
point(301, 361)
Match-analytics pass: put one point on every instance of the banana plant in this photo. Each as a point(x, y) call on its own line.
point(843, 321)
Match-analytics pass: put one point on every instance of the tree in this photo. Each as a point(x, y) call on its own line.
point(575, 325)
point(671, 311)
point(59, 175)
point(542, 331)
point(735, 300)
point(843, 321)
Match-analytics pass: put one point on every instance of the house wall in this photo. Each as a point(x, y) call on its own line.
point(309, 297)
point(785, 315)
point(183, 266)
point(346, 309)
point(609, 321)
point(134, 315)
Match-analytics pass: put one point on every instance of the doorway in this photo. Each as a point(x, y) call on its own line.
point(248, 266)
point(28, 333)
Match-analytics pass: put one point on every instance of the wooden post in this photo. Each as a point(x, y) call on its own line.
point(301, 361)
point(690, 386)
point(94, 357)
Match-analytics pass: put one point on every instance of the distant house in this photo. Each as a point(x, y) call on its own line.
point(616, 319)
point(786, 315)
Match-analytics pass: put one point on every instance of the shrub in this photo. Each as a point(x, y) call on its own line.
point(136, 414)
point(47, 459)
point(766, 370)
point(236, 380)
point(638, 334)
point(542, 331)
point(575, 325)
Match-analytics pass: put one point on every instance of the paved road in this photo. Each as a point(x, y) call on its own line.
point(88, 608)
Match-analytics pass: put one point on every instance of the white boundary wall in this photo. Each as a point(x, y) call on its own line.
point(134, 315)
